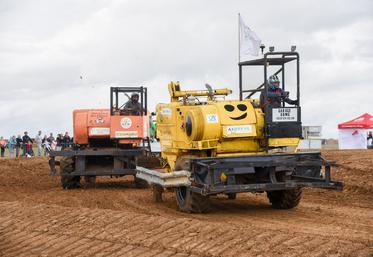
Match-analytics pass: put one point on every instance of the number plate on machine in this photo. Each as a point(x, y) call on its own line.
point(284, 114)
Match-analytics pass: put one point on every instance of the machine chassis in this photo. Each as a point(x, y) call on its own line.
point(119, 156)
point(303, 171)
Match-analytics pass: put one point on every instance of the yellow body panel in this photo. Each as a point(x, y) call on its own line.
point(215, 127)
point(280, 142)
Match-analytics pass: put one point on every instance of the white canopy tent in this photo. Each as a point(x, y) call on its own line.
point(353, 133)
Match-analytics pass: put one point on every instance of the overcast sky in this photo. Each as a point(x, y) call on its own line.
point(45, 46)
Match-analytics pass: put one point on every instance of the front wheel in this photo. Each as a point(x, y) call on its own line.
point(232, 196)
point(157, 193)
point(285, 199)
point(140, 183)
point(68, 181)
point(189, 201)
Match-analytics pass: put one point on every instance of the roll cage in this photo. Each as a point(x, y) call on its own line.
point(283, 122)
point(116, 105)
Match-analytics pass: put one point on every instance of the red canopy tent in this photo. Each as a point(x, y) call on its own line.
point(353, 133)
point(363, 121)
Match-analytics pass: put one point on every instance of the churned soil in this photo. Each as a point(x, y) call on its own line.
point(114, 218)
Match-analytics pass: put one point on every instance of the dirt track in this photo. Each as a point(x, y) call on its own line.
point(38, 218)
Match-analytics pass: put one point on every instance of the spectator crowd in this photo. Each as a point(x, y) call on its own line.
point(27, 146)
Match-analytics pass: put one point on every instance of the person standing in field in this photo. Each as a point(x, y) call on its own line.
point(59, 140)
point(66, 141)
point(11, 145)
point(2, 146)
point(46, 145)
point(18, 145)
point(370, 139)
point(50, 138)
point(38, 141)
point(152, 129)
point(26, 142)
point(29, 151)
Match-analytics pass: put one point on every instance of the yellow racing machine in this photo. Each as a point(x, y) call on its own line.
point(211, 145)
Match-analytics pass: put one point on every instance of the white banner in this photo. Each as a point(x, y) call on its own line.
point(249, 42)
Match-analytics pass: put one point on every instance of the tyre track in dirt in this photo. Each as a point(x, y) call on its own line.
point(85, 232)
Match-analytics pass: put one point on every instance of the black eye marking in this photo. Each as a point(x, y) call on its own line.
point(242, 107)
point(229, 107)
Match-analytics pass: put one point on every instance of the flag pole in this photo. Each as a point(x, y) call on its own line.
point(239, 39)
point(239, 60)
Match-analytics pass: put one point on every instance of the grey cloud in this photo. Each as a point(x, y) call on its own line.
point(46, 46)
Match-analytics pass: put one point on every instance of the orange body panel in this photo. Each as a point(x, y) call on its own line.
point(97, 123)
point(129, 129)
point(90, 123)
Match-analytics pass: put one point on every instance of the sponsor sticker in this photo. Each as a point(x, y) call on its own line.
point(100, 120)
point(100, 131)
point(212, 118)
point(126, 122)
point(239, 129)
point(126, 134)
point(166, 111)
point(284, 114)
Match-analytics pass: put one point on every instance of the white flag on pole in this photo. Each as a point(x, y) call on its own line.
point(249, 42)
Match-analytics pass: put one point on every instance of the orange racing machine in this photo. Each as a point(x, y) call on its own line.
point(106, 142)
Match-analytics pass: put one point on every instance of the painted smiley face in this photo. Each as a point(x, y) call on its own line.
point(241, 107)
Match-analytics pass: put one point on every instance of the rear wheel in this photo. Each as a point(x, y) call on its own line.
point(285, 199)
point(67, 166)
point(187, 200)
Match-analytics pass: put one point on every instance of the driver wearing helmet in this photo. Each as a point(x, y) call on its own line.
point(275, 95)
point(133, 106)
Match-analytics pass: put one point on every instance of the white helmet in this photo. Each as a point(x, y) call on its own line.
point(273, 79)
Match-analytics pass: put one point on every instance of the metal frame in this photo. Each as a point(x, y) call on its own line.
point(260, 173)
point(304, 169)
point(275, 129)
point(268, 61)
point(142, 91)
point(119, 156)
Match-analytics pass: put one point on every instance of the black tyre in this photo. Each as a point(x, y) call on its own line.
point(285, 199)
point(67, 166)
point(187, 200)
point(232, 196)
point(157, 193)
point(90, 180)
point(140, 183)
